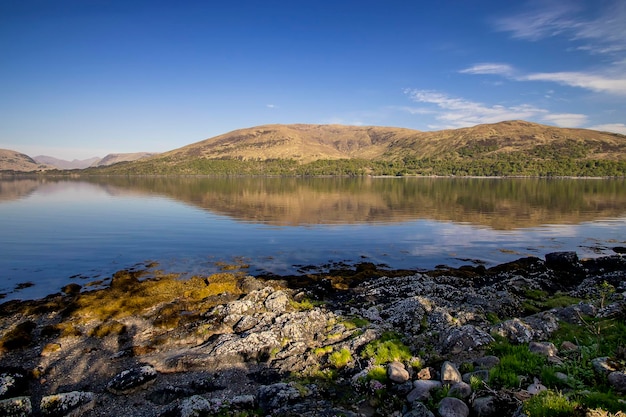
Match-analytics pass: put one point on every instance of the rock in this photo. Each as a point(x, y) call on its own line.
point(465, 338)
point(485, 406)
point(397, 372)
point(427, 373)
point(536, 387)
point(16, 407)
point(536, 327)
point(487, 362)
point(277, 302)
point(67, 404)
point(563, 260)
point(482, 374)
point(450, 373)
point(418, 410)
point(603, 365)
point(460, 390)
point(132, 380)
point(13, 382)
point(422, 389)
point(276, 396)
point(195, 406)
point(568, 346)
point(245, 323)
point(543, 348)
point(163, 396)
point(617, 380)
point(453, 407)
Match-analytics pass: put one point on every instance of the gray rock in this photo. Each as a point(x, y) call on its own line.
point(487, 362)
point(450, 373)
point(277, 302)
point(465, 339)
point(617, 380)
point(460, 390)
point(453, 407)
point(16, 407)
point(397, 372)
point(418, 410)
point(485, 406)
point(245, 323)
point(132, 380)
point(67, 404)
point(543, 348)
point(13, 383)
point(568, 346)
point(422, 389)
point(603, 365)
point(276, 396)
point(195, 406)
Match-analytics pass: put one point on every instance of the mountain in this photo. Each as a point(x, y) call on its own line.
point(15, 161)
point(114, 158)
point(505, 148)
point(63, 164)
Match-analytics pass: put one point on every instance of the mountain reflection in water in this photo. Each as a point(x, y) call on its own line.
point(59, 227)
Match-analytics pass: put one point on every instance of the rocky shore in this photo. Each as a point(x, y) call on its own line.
point(532, 337)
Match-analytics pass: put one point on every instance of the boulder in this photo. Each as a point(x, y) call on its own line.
point(453, 407)
point(450, 373)
point(418, 410)
point(485, 406)
point(13, 382)
point(465, 339)
point(67, 404)
point(543, 348)
point(397, 372)
point(486, 362)
point(460, 390)
point(422, 389)
point(617, 380)
point(16, 407)
point(603, 365)
point(275, 396)
point(132, 380)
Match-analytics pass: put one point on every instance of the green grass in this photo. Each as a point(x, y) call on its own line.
point(549, 404)
point(387, 348)
point(340, 359)
point(515, 361)
point(377, 373)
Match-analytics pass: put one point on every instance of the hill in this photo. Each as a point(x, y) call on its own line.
point(64, 164)
point(15, 161)
point(505, 148)
point(115, 158)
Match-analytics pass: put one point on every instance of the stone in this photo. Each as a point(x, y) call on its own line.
point(453, 407)
point(426, 373)
point(568, 346)
point(67, 404)
point(450, 373)
point(563, 261)
point(397, 372)
point(16, 407)
point(13, 382)
point(418, 410)
point(422, 389)
point(273, 397)
point(543, 348)
point(166, 395)
point(277, 302)
point(536, 387)
point(460, 390)
point(485, 406)
point(466, 338)
point(487, 362)
point(617, 380)
point(132, 380)
point(603, 365)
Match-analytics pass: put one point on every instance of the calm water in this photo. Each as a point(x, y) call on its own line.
point(53, 232)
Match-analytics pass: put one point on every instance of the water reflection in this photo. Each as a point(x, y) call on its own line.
point(501, 204)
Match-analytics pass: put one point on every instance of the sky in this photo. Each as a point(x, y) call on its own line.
point(84, 78)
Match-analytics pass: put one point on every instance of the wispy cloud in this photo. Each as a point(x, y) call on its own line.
point(566, 119)
point(611, 127)
point(590, 81)
point(602, 32)
point(457, 112)
point(271, 106)
point(489, 68)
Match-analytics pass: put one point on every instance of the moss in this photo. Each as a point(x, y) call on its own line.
point(549, 404)
point(340, 359)
point(109, 328)
point(377, 373)
point(18, 337)
point(321, 351)
point(387, 348)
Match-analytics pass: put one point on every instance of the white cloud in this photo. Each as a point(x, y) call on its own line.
point(566, 119)
point(271, 106)
point(611, 127)
point(602, 29)
point(589, 81)
point(489, 68)
point(458, 112)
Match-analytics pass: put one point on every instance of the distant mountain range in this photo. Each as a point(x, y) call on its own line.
point(505, 148)
point(15, 161)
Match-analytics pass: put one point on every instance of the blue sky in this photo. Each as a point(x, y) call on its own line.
point(89, 77)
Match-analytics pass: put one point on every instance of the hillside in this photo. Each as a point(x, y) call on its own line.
point(505, 148)
point(64, 164)
point(15, 161)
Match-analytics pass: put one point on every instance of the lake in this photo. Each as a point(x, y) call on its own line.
point(55, 231)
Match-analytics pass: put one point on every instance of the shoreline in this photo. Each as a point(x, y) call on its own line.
point(312, 344)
